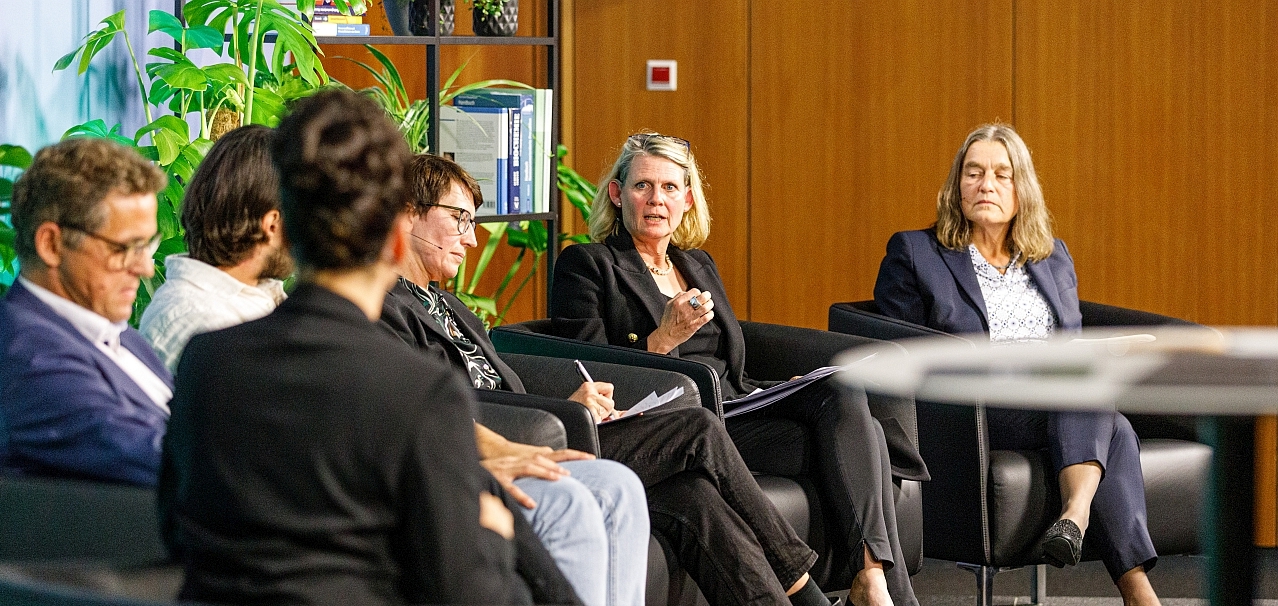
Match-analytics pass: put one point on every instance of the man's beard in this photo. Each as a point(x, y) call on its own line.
point(278, 265)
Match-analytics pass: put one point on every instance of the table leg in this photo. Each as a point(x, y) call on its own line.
point(1229, 526)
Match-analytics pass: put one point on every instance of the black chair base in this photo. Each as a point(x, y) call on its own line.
point(985, 582)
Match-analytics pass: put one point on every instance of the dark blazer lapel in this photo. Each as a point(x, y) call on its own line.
point(1042, 276)
point(632, 272)
point(134, 342)
point(700, 276)
point(473, 328)
point(419, 312)
point(960, 264)
point(119, 380)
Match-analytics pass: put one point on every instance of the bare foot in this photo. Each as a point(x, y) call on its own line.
point(869, 588)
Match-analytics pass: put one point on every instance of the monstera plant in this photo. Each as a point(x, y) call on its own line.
point(187, 106)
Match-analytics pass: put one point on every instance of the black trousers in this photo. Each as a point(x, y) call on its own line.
point(827, 434)
point(1119, 524)
point(704, 501)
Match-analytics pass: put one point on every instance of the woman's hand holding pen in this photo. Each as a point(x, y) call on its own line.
point(596, 396)
point(684, 315)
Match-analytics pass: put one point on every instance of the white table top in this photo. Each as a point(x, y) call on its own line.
point(1194, 371)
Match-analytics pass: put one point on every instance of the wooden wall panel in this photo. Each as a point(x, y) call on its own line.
point(709, 39)
point(856, 112)
point(1153, 130)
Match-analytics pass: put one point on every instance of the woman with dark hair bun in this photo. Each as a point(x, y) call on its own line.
point(311, 457)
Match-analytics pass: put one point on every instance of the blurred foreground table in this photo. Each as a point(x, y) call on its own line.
point(1225, 377)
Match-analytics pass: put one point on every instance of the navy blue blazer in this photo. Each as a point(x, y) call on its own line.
point(922, 282)
point(68, 410)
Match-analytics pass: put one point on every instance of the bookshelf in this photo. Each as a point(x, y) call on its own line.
point(431, 46)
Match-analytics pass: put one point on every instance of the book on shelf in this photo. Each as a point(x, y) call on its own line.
point(519, 102)
point(542, 148)
point(477, 138)
point(527, 139)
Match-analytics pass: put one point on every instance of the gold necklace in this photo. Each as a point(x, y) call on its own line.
point(661, 272)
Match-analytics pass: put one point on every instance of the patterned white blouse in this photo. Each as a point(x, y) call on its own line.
point(1017, 310)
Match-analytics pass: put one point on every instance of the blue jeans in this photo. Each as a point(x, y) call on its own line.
point(595, 525)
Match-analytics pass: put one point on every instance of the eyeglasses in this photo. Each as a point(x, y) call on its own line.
point(641, 140)
point(122, 254)
point(465, 222)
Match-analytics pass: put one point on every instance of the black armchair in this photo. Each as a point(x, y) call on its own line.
point(83, 536)
point(776, 352)
point(986, 509)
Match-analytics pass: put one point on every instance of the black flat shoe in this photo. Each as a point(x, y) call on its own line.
point(1062, 544)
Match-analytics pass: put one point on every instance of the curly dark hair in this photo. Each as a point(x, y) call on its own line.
point(67, 183)
point(227, 197)
point(342, 165)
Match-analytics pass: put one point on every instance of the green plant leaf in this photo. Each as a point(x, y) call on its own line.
point(169, 134)
point(477, 303)
point(167, 216)
point(15, 156)
point(203, 36)
point(182, 75)
point(94, 42)
point(97, 128)
point(161, 21)
point(171, 246)
point(189, 159)
point(226, 74)
point(268, 107)
point(396, 83)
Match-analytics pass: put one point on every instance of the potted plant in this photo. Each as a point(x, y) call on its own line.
point(251, 86)
point(495, 17)
point(416, 17)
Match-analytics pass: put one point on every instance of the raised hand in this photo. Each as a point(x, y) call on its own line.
point(684, 315)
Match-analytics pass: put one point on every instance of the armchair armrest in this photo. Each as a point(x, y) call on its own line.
point(524, 424)
point(1100, 314)
point(862, 318)
point(778, 352)
point(48, 519)
point(558, 378)
point(538, 420)
point(529, 338)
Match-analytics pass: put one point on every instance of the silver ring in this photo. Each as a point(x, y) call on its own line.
point(694, 303)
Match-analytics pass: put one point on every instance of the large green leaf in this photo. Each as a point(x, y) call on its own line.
point(268, 107)
point(169, 134)
point(98, 128)
point(226, 74)
point(189, 159)
point(94, 42)
point(162, 21)
point(15, 156)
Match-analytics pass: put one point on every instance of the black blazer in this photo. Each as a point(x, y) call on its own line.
point(922, 282)
point(313, 458)
point(404, 314)
point(603, 293)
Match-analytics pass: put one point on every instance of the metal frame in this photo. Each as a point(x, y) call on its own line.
point(985, 582)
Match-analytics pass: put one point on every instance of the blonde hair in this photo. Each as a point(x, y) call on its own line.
point(695, 226)
point(1031, 229)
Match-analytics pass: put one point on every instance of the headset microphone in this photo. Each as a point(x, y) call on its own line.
point(425, 240)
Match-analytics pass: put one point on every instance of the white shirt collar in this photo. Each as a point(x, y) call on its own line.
point(207, 277)
point(95, 328)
